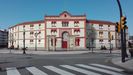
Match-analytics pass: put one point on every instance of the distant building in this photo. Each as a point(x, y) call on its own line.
point(131, 39)
point(3, 38)
point(63, 31)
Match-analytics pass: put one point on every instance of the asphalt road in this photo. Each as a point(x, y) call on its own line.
point(66, 64)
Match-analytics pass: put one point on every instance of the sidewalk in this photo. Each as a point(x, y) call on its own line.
point(128, 65)
point(44, 52)
point(41, 52)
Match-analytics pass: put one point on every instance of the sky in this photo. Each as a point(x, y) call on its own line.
point(13, 12)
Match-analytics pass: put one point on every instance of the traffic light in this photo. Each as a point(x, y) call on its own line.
point(123, 22)
point(117, 27)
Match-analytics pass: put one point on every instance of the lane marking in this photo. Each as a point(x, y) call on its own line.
point(59, 71)
point(36, 71)
point(98, 69)
point(12, 71)
point(108, 67)
point(79, 70)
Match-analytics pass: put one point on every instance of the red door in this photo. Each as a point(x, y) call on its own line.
point(64, 39)
point(64, 44)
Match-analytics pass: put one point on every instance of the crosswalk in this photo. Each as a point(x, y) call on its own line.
point(83, 69)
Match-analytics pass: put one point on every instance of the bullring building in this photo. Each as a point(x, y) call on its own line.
point(63, 31)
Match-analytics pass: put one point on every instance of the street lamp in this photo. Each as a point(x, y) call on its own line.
point(11, 41)
point(36, 34)
point(24, 42)
point(110, 39)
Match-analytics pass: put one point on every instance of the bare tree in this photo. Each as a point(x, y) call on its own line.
point(92, 37)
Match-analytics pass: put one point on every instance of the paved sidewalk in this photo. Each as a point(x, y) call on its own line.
point(126, 65)
point(41, 52)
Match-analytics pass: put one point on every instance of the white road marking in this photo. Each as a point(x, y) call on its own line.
point(36, 71)
point(12, 71)
point(98, 69)
point(59, 71)
point(108, 67)
point(80, 70)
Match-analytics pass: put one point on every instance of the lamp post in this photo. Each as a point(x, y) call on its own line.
point(24, 42)
point(110, 39)
point(36, 34)
point(11, 41)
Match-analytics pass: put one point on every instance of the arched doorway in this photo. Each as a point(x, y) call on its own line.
point(65, 39)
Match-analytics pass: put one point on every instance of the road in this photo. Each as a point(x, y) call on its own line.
point(63, 64)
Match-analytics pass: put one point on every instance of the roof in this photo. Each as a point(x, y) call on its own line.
point(3, 31)
point(100, 22)
point(65, 12)
point(31, 22)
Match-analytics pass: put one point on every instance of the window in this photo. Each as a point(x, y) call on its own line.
point(23, 26)
point(100, 26)
point(31, 40)
point(31, 25)
point(65, 15)
point(76, 23)
point(39, 40)
point(53, 30)
point(112, 37)
point(92, 26)
point(100, 33)
point(65, 24)
point(31, 33)
point(108, 25)
point(77, 30)
point(101, 40)
point(39, 25)
point(39, 32)
point(53, 23)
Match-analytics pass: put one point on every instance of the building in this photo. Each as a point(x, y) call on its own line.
point(3, 38)
point(131, 39)
point(63, 31)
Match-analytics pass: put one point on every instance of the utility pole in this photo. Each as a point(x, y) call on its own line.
point(36, 34)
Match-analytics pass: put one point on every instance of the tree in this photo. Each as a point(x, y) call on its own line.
point(92, 37)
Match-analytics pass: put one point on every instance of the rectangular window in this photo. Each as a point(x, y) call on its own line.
point(65, 24)
point(108, 40)
point(108, 25)
point(100, 33)
point(31, 25)
point(39, 25)
point(23, 26)
point(76, 23)
point(31, 33)
point(31, 41)
point(100, 26)
point(39, 32)
point(100, 40)
point(39, 40)
point(53, 23)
